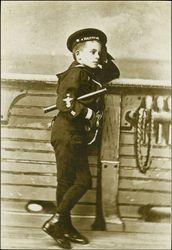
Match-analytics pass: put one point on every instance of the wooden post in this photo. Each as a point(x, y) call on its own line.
point(110, 157)
point(108, 165)
point(160, 105)
point(169, 128)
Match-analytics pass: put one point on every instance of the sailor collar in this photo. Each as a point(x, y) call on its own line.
point(75, 64)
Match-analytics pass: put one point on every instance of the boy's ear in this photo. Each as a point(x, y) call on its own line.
point(77, 54)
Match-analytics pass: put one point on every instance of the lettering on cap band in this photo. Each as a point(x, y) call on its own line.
point(87, 38)
point(84, 39)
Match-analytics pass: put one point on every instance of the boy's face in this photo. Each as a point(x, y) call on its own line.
point(89, 55)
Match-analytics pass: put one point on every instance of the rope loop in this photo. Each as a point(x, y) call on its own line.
point(144, 133)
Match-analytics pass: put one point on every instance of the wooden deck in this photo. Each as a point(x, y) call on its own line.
point(22, 230)
point(34, 238)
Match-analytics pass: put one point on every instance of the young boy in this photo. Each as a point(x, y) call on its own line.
point(92, 67)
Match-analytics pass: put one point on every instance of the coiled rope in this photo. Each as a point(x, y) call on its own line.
point(144, 128)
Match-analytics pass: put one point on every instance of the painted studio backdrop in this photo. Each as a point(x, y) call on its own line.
point(34, 35)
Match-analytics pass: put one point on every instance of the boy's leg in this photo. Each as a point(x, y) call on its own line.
point(79, 160)
point(73, 170)
point(72, 164)
point(55, 225)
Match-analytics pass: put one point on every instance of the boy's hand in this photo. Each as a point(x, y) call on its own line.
point(105, 56)
point(91, 123)
point(94, 120)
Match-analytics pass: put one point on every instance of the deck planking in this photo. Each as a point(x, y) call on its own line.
point(34, 238)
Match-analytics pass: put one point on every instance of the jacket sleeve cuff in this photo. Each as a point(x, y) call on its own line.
point(89, 114)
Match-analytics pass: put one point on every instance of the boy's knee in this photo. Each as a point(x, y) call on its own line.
point(89, 183)
point(86, 184)
point(64, 182)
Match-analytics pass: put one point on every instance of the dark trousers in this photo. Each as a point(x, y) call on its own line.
point(73, 174)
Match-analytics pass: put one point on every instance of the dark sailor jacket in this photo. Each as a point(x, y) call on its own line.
point(74, 114)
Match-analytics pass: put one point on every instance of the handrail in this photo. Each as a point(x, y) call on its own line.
point(121, 82)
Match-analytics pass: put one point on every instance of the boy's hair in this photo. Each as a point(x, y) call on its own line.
point(78, 46)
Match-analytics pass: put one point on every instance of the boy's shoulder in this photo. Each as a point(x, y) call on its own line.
point(75, 70)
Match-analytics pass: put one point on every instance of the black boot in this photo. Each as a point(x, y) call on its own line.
point(56, 230)
point(72, 233)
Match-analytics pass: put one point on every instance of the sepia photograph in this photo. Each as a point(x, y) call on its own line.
point(86, 125)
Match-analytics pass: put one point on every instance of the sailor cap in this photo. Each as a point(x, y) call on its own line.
point(84, 35)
